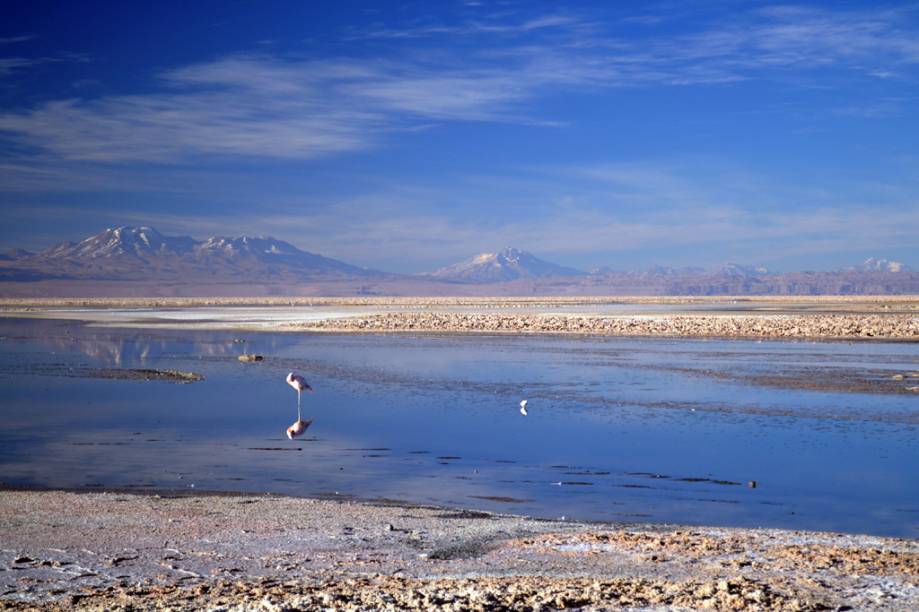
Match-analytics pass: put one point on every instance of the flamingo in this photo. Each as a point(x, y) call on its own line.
point(299, 383)
point(523, 407)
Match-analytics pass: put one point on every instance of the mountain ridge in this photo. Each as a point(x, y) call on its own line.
point(141, 260)
point(142, 252)
point(508, 264)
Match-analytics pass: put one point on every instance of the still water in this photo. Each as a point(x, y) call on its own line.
point(638, 430)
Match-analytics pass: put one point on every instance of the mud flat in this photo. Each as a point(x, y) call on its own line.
point(894, 327)
point(118, 551)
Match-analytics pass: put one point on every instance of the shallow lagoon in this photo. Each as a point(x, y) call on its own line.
point(659, 430)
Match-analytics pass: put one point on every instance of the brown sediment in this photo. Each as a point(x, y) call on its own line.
point(830, 379)
point(501, 498)
point(486, 593)
point(140, 374)
point(737, 551)
point(125, 551)
point(831, 326)
point(176, 376)
point(849, 560)
point(687, 544)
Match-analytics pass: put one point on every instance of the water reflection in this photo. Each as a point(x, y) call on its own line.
point(113, 347)
point(619, 429)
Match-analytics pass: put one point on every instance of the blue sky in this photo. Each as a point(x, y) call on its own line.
point(408, 135)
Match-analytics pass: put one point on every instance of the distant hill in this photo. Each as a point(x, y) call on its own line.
point(140, 261)
point(144, 254)
point(735, 279)
point(506, 265)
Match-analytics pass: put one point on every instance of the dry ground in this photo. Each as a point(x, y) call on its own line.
point(120, 551)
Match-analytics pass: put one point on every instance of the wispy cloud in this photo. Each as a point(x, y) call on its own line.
point(274, 107)
point(473, 27)
point(876, 109)
point(11, 40)
point(782, 39)
point(10, 64)
point(267, 107)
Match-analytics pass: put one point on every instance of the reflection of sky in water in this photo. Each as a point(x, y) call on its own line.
point(609, 412)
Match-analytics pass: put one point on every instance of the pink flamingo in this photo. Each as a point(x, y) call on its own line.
point(299, 383)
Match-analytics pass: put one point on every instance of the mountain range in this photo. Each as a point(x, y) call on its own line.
point(142, 261)
point(142, 253)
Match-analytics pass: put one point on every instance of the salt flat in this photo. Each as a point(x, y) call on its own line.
point(120, 551)
point(780, 316)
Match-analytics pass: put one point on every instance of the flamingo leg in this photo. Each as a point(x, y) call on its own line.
point(298, 404)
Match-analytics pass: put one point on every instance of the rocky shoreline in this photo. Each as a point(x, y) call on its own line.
point(118, 551)
point(827, 326)
point(894, 318)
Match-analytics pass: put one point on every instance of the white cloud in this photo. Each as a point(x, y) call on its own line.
point(474, 27)
point(9, 64)
point(266, 107)
point(271, 107)
point(10, 40)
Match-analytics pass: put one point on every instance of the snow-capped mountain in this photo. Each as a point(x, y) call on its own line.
point(505, 265)
point(881, 265)
point(270, 251)
point(142, 261)
point(142, 253)
point(733, 269)
point(139, 242)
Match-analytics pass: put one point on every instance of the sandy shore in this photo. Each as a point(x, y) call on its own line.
point(849, 318)
point(118, 551)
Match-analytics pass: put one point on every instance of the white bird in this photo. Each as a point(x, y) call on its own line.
point(523, 407)
point(299, 383)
